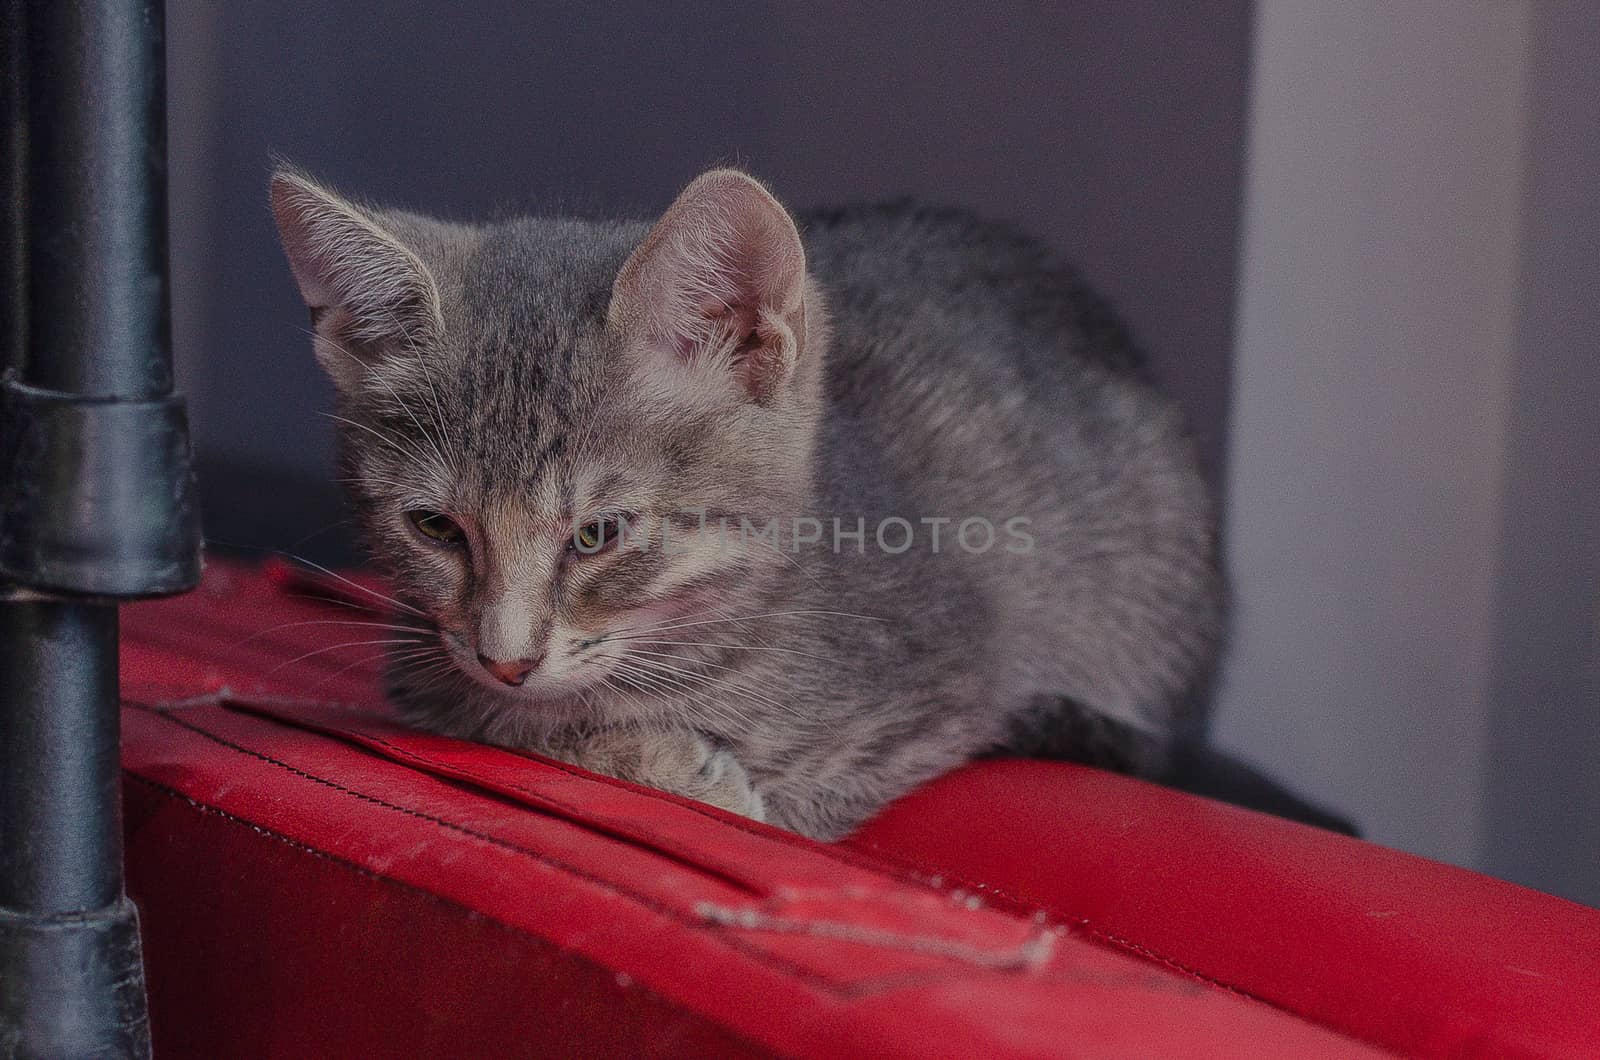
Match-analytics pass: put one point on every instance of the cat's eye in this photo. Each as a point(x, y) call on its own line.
point(596, 535)
point(437, 526)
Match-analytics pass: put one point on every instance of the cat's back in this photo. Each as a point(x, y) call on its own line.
point(973, 373)
point(908, 270)
point(973, 358)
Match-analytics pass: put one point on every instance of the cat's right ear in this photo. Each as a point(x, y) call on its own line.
point(366, 291)
point(720, 277)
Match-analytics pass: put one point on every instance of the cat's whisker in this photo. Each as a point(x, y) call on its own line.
point(745, 628)
point(357, 586)
point(393, 443)
point(427, 376)
point(748, 679)
point(373, 480)
point(750, 618)
point(369, 660)
point(787, 558)
point(337, 647)
point(328, 622)
point(354, 605)
point(666, 712)
point(424, 649)
point(651, 692)
point(431, 645)
point(726, 713)
point(609, 681)
point(300, 541)
point(426, 666)
point(425, 669)
point(430, 685)
point(426, 677)
point(399, 401)
point(645, 629)
point(717, 682)
point(619, 683)
point(726, 646)
point(641, 676)
point(423, 665)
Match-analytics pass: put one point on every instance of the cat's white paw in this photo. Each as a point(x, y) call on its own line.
point(679, 761)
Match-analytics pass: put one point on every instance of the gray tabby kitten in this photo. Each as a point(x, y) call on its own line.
point(786, 519)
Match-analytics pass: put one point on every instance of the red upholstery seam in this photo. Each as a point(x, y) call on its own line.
point(642, 838)
point(574, 815)
point(1118, 942)
point(721, 936)
point(810, 846)
point(897, 865)
point(468, 912)
point(866, 864)
point(743, 824)
point(640, 899)
point(878, 862)
point(846, 992)
point(249, 662)
point(722, 817)
point(1077, 922)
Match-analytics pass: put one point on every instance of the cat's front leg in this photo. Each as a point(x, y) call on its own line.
point(680, 761)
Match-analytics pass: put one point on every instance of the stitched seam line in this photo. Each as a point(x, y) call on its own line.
point(887, 983)
point(537, 857)
point(643, 838)
point(910, 868)
point(904, 867)
point(778, 835)
point(1088, 927)
point(236, 659)
point(1079, 922)
point(466, 912)
point(897, 980)
point(722, 938)
point(847, 856)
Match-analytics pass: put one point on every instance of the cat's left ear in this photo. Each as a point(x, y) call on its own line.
point(721, 275)
point(367, 291)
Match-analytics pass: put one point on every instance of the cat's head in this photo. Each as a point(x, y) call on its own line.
point(513, 394)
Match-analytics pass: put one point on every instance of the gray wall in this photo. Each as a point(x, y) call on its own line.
point(1113, 130)
point(1542, 794)
point(1415, 481)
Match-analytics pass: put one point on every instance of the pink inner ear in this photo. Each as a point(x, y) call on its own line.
point(723, 271)
point(683, 344)
point(712, 307)
point(708, 295)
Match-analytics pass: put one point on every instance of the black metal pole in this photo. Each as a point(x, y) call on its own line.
point(73, 983)
point(65, 854)
point(97, 205)
point(96, 506)
point(13, 179)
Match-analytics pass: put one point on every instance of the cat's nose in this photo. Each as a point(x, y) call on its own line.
point(512, 672)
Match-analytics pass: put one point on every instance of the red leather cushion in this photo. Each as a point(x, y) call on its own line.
point(1422, 957)
point(316, 880)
